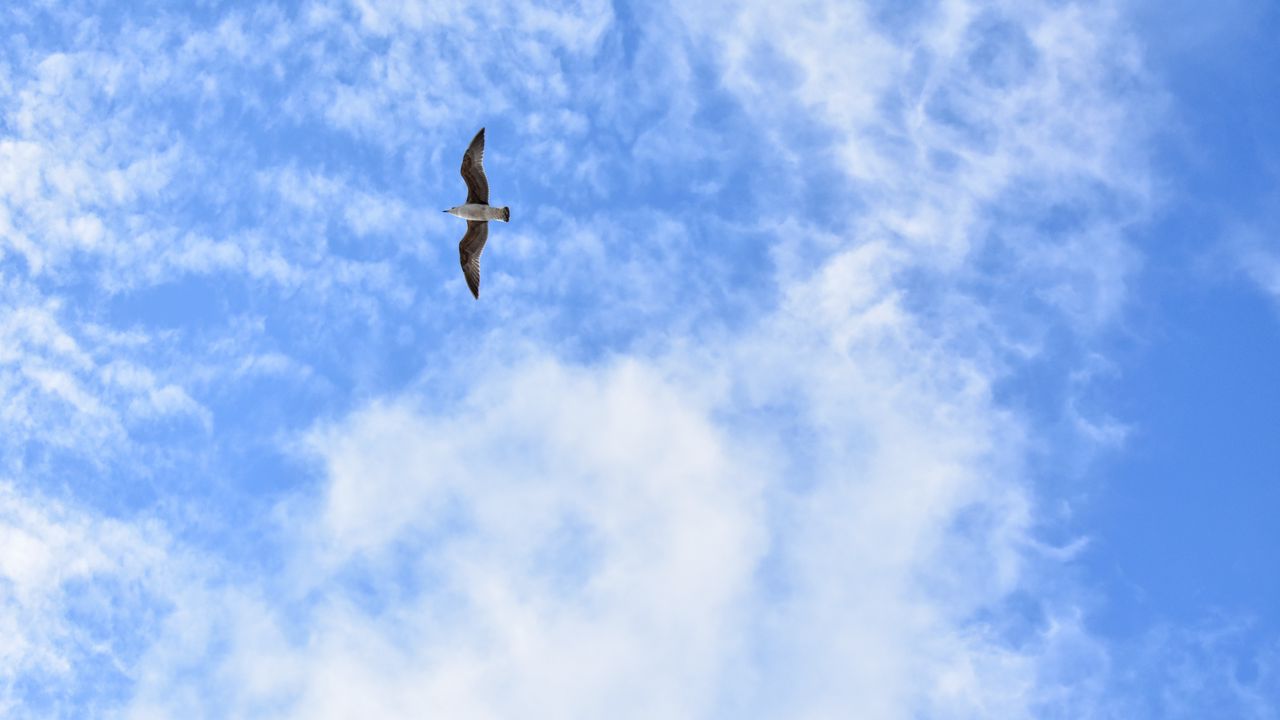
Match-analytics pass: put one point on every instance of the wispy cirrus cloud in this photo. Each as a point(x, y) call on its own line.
point(1256, 256)
point(68, 582)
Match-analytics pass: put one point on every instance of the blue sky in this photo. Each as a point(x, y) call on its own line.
point(861, 359)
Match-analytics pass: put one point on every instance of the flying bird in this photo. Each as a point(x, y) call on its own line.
point(476, 211)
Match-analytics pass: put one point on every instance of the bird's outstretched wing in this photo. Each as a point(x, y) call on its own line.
point(473, 171)
point(469, 253)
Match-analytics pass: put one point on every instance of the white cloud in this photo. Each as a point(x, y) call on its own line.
point(66, 579)
point(382, 97)
point(1258, 257)
point(964, 129)
point(61, 392)
point(583, 539)
point(1213, 667)
point(631, 540)
point(99, 168)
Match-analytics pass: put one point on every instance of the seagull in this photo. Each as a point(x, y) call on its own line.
point(476, 211)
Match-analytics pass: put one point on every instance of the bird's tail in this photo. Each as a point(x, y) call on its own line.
point(506, 214)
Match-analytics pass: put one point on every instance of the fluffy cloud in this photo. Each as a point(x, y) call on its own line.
point(585, 540)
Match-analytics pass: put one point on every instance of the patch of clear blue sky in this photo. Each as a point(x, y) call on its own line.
point(1183, 516)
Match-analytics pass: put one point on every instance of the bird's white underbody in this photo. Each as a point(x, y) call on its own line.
point(477, 211)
